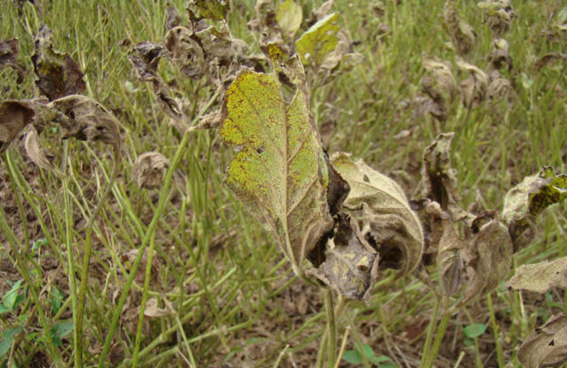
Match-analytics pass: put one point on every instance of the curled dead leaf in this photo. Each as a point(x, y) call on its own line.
point(152, 309)
point(351, 264)
point(8, 57)
point(85, 119)
point(37, 153)
point(383, 214)
point(186, 52)
point(449, 260)
point(15, 115)
point(499, 88)
point(474, 88)
point(546, 346)
point(540, 277)
point(549, 58)
point(462, 34)
point(58, 74)
point(527, 199)
point(487, 257)
point(499, 55)
point(149, 169)
point(440, 86)
point(500, 14)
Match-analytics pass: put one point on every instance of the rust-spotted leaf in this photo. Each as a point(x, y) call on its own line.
point(280, 169)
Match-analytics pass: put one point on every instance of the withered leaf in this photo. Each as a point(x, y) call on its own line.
point(15, 115)
point(474, 88)
point(546, 346)
point(289, 16)
point(383, 213)
point(527, 199)
point(85, 119)
point(440, 86)
point(439, 179)
point(153, 311)
point(8, 57)
point(145, 58)
point(351, 265)
point(549, 58)
point(540, 277)
point(317, 42)
point(187, 54)
point(37, 153)
point(342, 55)
point(209, 9)
point(500, 14)
point(321, 12)
point(499, 87)
point(149, 169)
point(173, 17)
point(499, 55)
point(449, 261)
point(488, 256)
point(58, 74)
point(462, 34)
point(280, 169)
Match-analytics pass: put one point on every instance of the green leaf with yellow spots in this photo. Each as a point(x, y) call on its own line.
point(279, 170)
point(318, 41)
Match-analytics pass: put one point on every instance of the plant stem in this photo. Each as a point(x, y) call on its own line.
point(343, 347)
point(164, 195)
point(429, 337)
point(495, 330)
point(332, 327)
point(144, 300)
point(447, 313)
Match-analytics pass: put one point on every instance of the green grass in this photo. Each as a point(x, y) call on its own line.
point(230, 295)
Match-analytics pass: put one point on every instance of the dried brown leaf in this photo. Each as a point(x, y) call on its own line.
point(499, 55)
point(149, 169)
point(153, 311)
point(500, 14)
point(546, 346)
point(173, 17)
point(449, 261)
point(186, 52)
point(462, 34)
point(58, 74)
point(488, 256)
point(15, 115)
point(383, 213)
point(474, 88)
point(351, 265)
point(499, 88)
point(37, 153)
point(8, 57)
point(440, 86)
point(85, 119)
point(527, 199)
point(540, 277)
point(209, 9)
point(548, 59)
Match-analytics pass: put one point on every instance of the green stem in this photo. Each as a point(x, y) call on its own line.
point(447, 313)
point(144, 300)
point(164, 195)
point(332, 327)
point(77, 337)
point(495, 331)
point(429, 336)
